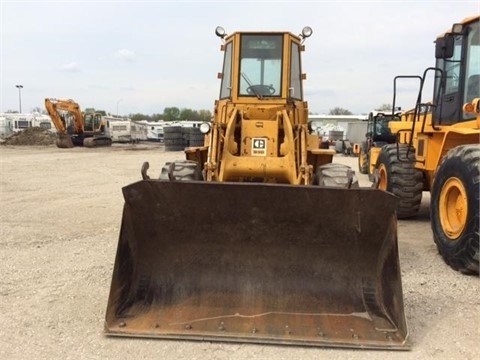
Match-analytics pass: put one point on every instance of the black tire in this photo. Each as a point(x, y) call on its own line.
point(172, 131)
point(173, 138)
point(363, 159)
point(186, 170)
point(400, 178)
point(196, 137)
point(335, 175)
point(454, 208)
point(174, 145)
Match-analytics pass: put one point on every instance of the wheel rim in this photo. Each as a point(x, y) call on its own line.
point(382, 177)
point(453, 208)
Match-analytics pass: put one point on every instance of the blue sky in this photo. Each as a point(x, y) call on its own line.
point(143, 56)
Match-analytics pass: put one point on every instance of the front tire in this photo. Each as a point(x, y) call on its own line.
point(398, 175)
point(336, 175)
point(454, 209)
point(363, 159)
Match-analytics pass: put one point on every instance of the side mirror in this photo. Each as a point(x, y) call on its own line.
point(444, 47)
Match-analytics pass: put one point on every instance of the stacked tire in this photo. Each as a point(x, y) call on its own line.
point(195, 137)
point(173, 138)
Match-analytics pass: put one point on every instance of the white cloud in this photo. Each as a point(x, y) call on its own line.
point(125, 54)
point(71, 67)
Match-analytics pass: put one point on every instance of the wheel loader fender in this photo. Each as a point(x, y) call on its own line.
point(261, 263)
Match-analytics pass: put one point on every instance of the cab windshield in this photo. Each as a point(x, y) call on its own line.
point(261, 65)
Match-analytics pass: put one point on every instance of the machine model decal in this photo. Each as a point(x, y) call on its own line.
point(259, 147)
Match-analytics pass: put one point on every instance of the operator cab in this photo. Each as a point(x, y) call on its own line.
point(257, 60)
point(377, 128)
point(457, 53)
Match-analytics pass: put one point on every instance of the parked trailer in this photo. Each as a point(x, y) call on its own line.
point(14, 122)
point(138, 131)
point(5, 127)
point(43, 121)
point(119, 129)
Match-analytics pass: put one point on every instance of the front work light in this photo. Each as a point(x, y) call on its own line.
point(204, 128)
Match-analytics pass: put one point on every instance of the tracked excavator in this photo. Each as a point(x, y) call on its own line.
point(438, 148)
point(258, 236)
point(88, 129)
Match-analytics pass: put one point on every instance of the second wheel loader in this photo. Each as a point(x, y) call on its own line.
point(378, 134)
point(258, 236)
point(438, 148)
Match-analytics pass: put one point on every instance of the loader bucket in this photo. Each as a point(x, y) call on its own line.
point(258, 263)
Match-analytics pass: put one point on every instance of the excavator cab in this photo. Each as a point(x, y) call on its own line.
point(257, 236)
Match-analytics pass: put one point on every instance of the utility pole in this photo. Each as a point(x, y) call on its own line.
point(20, 87)
point(117, 105)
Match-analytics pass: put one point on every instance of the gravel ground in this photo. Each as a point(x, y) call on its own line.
point(60, 213)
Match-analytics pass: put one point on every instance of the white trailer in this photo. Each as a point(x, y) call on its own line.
point(5, 127)
point(19, 122)
point(153, 129)
point(43, 121)
point(15, 122)
point(119, 129)
point(138, 131)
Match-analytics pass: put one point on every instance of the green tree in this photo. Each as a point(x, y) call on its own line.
point(174, 114)
point(157, 117)
point(38, 109)
point(171, 114)
point(205, 115)
point(339, 111)
point(385, 107)
point(138, 117)
point(188, 114)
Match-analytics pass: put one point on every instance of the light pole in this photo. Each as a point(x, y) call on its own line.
point(20, 87)
point(117, 105)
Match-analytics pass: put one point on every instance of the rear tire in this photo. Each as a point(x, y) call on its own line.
point(454, 209)
point(400, 178)
point(186, 170)
point(335, 175)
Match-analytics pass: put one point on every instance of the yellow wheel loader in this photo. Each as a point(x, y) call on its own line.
point(438, 148)
point(257, 236)
point(378, 134)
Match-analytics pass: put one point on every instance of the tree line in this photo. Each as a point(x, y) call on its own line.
point(342, 111)
point(175, 114)
point(169, 114)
